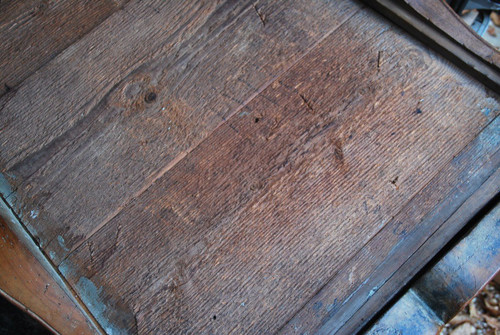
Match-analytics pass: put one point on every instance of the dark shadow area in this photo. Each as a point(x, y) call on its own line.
point(14, 321)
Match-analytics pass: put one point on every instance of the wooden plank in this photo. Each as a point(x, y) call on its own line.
point(442, 16)
point(35, 31)
point(427, 22)
point(362, 291)
point(110, 151)
point(409, 316)
point(444, 289)
point(256, 219)
point(25, 281)
point(453, 282)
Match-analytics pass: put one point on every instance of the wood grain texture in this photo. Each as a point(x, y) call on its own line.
point(442, 16)
point(427, 21)
point(23, 279)
point(254, 221)
point(384, 255)
point(149, 113)
point(472, 180)
point(33, 32)
point(449, 284)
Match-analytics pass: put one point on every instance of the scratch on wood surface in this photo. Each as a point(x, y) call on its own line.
point(394, 182)
point(261, 15)
point(338, 151)
point(118, 233)
point(90, 245)
point(307, 102)
point(379, 60)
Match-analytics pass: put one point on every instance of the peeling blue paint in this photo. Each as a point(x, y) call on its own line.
point(91, 296)
point(486, 111)
point(317, 308)
point(332, 308)
point(34, 213)
point(60, 239)
point(372, 291)
point(5, 188)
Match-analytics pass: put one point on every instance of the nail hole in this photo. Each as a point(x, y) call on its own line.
point(150, 97)
point(215, 317)
point(257, 119)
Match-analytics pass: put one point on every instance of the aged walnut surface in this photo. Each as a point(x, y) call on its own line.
point(239, 167)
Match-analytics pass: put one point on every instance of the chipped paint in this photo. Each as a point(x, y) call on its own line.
point(60, 240)
point(372, 291)
point(34, 213)
point(92, 298)
point(418, 318)
point(486, 111)
point(5, 187)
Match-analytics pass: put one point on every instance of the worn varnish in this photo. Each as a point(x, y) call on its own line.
point(33, 32)
point(242, 167)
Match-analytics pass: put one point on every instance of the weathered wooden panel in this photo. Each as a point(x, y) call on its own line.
point(253, 222)
point(395, 254)
point(33, 32)
point(158, 108)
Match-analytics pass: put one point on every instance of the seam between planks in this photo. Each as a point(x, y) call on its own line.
point(109, 89)
point(94, 116)
point(382, 228)
point(183, 154)
point(14, 88)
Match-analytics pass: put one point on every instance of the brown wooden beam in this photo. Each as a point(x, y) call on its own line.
point(30, 285)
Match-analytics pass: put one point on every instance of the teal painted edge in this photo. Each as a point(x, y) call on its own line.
point(28, 241)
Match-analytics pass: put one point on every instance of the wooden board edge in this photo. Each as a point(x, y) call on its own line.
point(424, 255)
point(407, 17)
point(16, 227)
point(420, 309)
point(22, 307)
